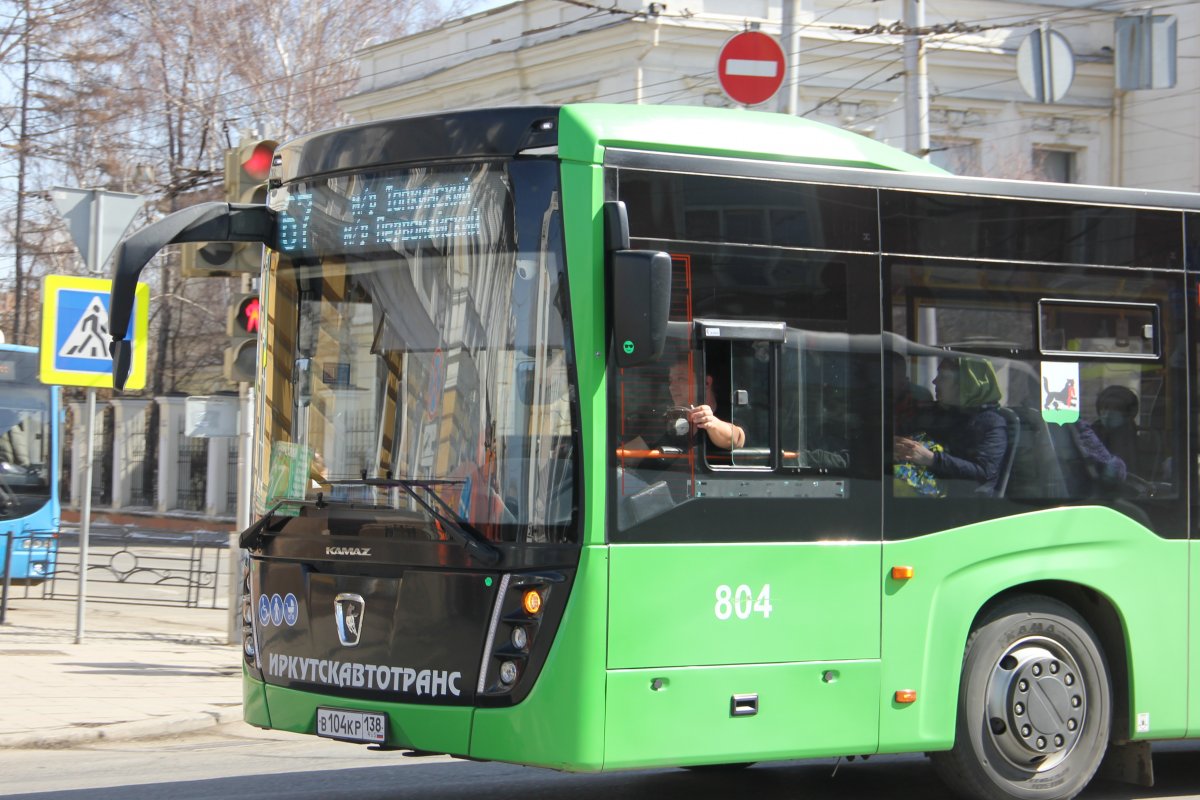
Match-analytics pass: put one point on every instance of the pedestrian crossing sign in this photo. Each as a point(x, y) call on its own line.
point(75, 336)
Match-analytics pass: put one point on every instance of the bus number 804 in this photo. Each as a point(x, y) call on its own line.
point(742, 602)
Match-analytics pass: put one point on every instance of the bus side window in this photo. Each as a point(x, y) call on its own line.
point(752, 401)
point(1091, 401)
point(740, 372)
point(805, 423)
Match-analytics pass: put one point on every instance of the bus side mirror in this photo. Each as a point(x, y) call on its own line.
point(122, 358)
point(641, 298)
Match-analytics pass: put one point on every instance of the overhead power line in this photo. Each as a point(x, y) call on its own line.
point(898, 28)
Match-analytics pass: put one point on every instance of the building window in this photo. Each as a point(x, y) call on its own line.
point(1057, 166)
point(959, 156)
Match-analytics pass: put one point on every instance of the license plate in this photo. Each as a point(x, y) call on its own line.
point(351, 726)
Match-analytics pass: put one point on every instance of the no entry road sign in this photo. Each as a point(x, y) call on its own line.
point(750, 68)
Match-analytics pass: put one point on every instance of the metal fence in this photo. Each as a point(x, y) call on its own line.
point(102, 458)
point(231, 470)
point(192, 473)
point(141, 456)
point(358, 442)
point(24, 559)
point(142, 568)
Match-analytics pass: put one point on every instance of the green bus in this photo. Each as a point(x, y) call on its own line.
point(605, 437)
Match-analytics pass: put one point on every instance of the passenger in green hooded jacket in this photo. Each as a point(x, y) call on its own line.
point(970, 430)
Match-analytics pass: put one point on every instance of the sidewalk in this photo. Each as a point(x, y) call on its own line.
point(141, 671)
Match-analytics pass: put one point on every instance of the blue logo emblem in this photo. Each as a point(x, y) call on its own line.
point(291, 609)
point(276, 609)
point(264, 610)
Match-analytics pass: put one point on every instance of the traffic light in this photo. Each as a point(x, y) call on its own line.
point(212, 260)
point(246, 170)
point(242, 327)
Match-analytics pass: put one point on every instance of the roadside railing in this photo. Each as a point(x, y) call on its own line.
point(31, 556)
point(141, 567)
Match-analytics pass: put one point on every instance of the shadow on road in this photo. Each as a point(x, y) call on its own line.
point(902, 778)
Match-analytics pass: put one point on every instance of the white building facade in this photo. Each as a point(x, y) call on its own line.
point(850, 73)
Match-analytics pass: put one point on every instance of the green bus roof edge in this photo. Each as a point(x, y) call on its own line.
point(587, 128)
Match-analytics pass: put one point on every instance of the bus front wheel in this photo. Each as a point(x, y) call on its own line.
point(1034, 705)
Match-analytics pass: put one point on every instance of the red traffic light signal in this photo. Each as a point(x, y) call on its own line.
point(247, 168)
point(244, 316)
point(256, 160)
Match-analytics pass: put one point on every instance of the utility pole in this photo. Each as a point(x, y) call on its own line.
point(789, 99)
point(916, 81)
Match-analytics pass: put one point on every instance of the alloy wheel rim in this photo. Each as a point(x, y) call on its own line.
point(1036, 704)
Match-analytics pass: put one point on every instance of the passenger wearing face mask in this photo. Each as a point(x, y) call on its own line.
point(1117, 425)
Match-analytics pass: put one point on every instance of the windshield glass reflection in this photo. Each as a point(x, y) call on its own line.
point(425, 341)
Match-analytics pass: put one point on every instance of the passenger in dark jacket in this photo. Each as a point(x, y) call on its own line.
point(1093, 471)
point(1117, 426)
point(972, 433)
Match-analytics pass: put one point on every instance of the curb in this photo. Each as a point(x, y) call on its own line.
point(172, 725)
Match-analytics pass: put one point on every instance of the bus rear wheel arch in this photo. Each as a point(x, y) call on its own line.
point(1034, 705)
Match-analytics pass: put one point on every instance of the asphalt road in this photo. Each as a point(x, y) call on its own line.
point(236, 761)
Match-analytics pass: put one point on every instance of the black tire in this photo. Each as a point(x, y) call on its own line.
point(1034, 705)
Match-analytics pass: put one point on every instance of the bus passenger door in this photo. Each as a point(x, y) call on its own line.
point(745, 581)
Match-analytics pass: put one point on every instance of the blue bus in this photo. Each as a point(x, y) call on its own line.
point(30, 512)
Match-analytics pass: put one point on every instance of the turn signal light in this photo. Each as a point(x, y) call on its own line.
point(531, 601)
point(906, 696)
point(902, 573)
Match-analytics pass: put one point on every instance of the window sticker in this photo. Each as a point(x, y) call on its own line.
point(1060, 392)
point(291, 467)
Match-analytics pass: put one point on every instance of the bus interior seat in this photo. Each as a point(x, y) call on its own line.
point(1083, 478)
point(1035, 472)
point(1157, 460)
point(1012, 427)
point(1148, 450)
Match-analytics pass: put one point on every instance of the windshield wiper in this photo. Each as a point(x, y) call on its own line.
point(250, 537)
point(463, 532)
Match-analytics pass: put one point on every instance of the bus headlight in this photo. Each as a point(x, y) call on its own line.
point(249, 648)
point(513, 650)
point(520, 638)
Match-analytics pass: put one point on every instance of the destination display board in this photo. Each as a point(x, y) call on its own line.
point(371, 212)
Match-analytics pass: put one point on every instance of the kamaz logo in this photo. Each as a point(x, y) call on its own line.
point(348, 551)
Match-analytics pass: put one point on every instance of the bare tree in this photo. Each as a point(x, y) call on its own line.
point(296, 58)
point(40, 41)
point(112, 92)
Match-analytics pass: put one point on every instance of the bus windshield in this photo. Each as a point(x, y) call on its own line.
point(413, 323)
point(24, 443)
point(24, 435)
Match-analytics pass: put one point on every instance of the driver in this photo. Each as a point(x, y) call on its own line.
point(722, 434)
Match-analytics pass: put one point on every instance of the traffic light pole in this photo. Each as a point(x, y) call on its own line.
point(245, 484)
point(245, 487)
